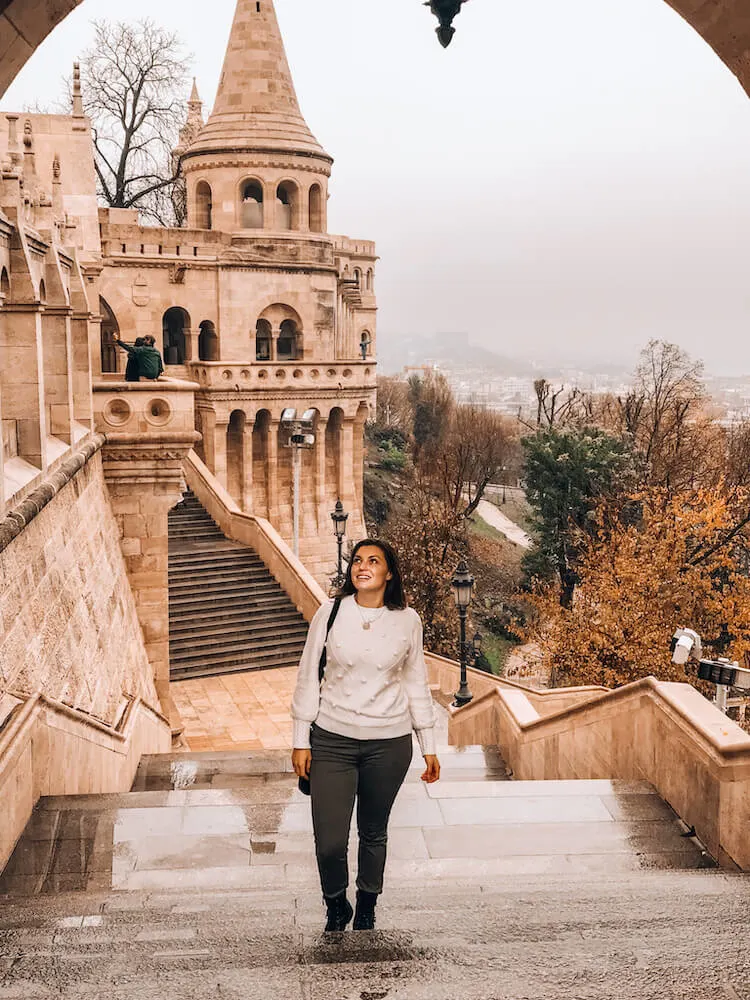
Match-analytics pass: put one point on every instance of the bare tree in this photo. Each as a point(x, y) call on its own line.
point(134, 81)
point(472, 455)
point(557, 407)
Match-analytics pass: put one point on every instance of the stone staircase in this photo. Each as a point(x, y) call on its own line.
point(200, 883)
point(226, 611)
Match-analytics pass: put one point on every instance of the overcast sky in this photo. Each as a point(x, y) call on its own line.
point(565, 181)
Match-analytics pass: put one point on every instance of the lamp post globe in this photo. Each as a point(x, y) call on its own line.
point(462, 586)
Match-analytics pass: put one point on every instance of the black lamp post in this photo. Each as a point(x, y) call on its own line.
point(462, 586)
point(339, 518)
point(445, 11)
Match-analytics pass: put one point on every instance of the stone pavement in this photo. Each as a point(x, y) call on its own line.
point(201, 883)
point(242, 711)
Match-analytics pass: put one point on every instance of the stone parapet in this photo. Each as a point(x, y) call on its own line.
point(149, 429)
point(665, 733)
point(48, 748)
point(284, 379)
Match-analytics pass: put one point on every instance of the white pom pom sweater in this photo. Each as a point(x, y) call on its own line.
point(375, 684)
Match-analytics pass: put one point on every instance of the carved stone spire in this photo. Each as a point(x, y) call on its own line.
point(256, 105)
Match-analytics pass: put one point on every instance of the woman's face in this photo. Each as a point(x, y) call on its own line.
point(370, 570)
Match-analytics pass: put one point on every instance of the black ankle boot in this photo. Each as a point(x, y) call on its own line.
point(339, 912)
point(364, 919)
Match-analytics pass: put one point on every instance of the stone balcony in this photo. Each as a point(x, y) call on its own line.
point(160, 409)
point(305, 376)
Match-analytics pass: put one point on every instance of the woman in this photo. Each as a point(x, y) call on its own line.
point(353, 732)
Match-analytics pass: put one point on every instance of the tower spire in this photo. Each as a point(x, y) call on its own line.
point(256, 104)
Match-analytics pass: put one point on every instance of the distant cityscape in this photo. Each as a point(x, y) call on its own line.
point(506, 384)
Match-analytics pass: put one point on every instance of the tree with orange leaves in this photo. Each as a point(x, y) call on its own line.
point(678, 559)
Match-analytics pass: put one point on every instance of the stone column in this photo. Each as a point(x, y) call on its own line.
point(247, 465)
point(220, 451)
point(346, 463)
point(320, 475)
point(142, 460)
point(208, 429)
point(272, 470)
point(22, 378)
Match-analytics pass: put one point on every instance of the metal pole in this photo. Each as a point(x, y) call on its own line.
point(340, 575)
point(722, 691)
point(295, 497)
point(463, 695)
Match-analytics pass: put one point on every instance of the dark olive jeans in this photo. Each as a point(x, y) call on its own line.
point(342, 769)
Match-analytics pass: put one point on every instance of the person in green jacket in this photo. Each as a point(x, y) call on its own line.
point(147, 360)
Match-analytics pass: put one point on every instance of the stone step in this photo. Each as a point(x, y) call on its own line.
point(224, 617)
point(195, 609)
point(226, 611)
point(192, 560)
point(199, 643)
point(219, 578)
point(231, 665)
point(227, 650)
point(221, 594)
point(278, 620)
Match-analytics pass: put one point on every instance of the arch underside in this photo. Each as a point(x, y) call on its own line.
point(724, 24)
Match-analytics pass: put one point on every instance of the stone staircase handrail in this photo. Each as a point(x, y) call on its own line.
point(288, 571)
point(41, 737)
point(662, 732)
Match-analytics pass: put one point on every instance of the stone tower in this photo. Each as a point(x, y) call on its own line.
point(255, 300)
point(256, 149)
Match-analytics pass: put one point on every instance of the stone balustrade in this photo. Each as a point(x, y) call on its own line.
point(356, 375)
point(145, 409)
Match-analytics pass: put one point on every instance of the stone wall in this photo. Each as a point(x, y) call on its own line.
point(68, 622)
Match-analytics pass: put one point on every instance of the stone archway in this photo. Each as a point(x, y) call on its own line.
point(723, 24)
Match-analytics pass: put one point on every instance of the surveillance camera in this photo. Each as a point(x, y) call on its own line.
point(686, 645)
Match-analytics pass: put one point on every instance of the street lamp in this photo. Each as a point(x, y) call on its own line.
point(301, 436)
point(462, 586)
point(339, 518)
point(445, 11)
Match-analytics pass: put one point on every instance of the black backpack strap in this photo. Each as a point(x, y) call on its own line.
point(329, 626)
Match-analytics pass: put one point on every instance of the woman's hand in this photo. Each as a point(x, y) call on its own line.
point(301, 760)
point(432, 773)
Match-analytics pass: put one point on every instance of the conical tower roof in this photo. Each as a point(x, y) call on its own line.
point(256, 105)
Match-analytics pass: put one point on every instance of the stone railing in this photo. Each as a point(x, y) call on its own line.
point(47, 748)
point(157, 409)
point(285, 376)
point(301, 586)
point(668, 734)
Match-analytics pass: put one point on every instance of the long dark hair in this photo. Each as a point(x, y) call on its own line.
point(394, 589)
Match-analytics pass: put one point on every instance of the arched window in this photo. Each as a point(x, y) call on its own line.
point(263, 337)
point(42, 292)
point(370, 277)
point(287, 347)
point(251, 209)
point(176, 329)
point(208, 342)
point(109, 326)
point(316, 209)
point(358, 277)
point(5, 284)
point(286, 206)
point(203, 206)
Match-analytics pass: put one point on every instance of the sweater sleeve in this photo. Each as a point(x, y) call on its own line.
point(421, 706)
point(306, 699)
